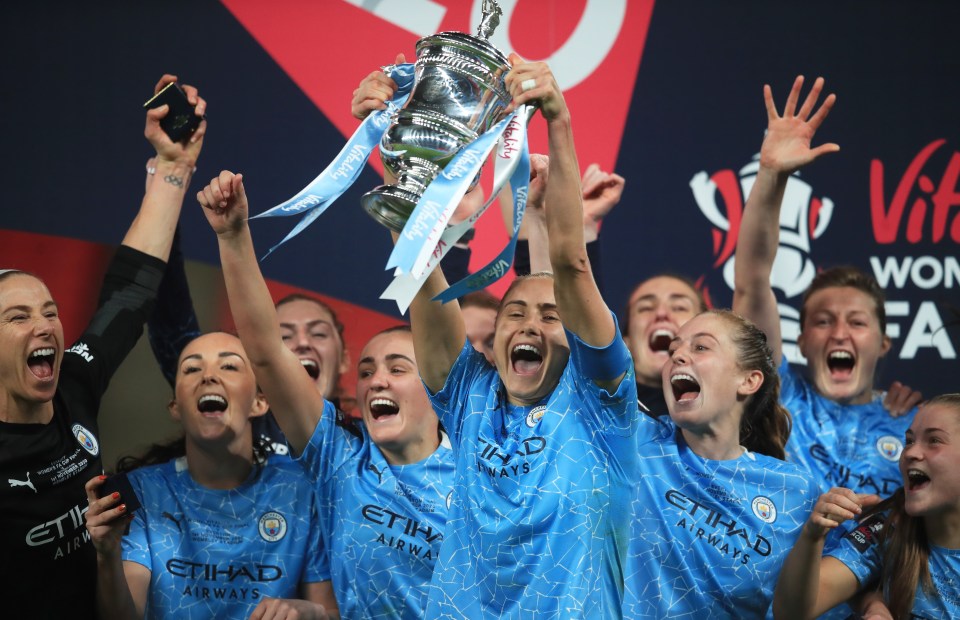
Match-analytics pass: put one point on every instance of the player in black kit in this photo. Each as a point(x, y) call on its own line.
point(50, 394)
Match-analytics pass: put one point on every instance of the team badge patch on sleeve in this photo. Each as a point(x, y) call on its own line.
point(764, 509)
point(273, 526)
point(867, 533)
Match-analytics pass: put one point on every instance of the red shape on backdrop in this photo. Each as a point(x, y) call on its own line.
point(886, 219)
point(729, 187)
point(72, 269)
point(815, 205)
point(328, 47)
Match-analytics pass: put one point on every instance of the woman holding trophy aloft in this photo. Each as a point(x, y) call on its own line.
point(545, 440)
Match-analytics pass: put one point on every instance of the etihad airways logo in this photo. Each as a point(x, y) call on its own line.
point(228, 573)
point(803, 218)
point(403, 533)
point(730, 537)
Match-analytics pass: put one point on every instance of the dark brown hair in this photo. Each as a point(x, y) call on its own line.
point(765, 426)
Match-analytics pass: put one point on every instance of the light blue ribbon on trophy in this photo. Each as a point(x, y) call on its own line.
point(512, 163)
point(344, 170)
point(497, 268)
point(426, 224)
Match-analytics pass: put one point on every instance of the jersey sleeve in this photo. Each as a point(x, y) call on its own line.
point(451, 402)
point(173, 322)
point(327, 447)
point(618, 411)
point(135, 545)
point(860, 549)
point(126, 300)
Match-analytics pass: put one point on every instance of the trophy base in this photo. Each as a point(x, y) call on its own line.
point(390, 205)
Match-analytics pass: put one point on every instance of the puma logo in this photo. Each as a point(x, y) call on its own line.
point(167, 515)
point(22, 483)
point(374, 469)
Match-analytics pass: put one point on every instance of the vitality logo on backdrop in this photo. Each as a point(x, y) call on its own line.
point(803, 219)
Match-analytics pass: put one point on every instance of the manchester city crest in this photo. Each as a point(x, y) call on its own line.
point(889, 447)
point(764, 509)
point(273, 526)
point(86, 439)
point(535, 415)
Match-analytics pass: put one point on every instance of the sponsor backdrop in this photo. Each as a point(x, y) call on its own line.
point(667, 94)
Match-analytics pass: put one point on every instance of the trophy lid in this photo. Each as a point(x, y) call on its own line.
point(465, 43)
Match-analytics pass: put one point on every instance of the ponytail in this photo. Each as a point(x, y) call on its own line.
point(766, 424)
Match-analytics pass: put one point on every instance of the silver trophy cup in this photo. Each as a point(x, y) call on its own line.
point(458, 95)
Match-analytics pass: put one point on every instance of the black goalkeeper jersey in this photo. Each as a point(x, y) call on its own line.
point(48, 564)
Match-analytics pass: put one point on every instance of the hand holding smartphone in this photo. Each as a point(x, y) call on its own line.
point(119, 483)
point(181, 119)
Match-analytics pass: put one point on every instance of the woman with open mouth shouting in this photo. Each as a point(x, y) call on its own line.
point(383, 486)
point(224, 531)
point(907, 546)
point(50, 394)
point(842, 432)
point(545, 438)
point(716, 509)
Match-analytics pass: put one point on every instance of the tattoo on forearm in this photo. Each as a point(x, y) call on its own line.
point(174, 180)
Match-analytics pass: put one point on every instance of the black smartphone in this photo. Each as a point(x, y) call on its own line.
point(181, 120)
point(119, 483)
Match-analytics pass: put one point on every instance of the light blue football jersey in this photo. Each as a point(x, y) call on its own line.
point(861, 550)
point(217, 553)
point(382, 524)
point(539, 522)
point(852, 446)
point(709, 537)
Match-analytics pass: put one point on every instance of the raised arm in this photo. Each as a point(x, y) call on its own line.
point(152, 230)
point(810, 584)
point(293, 397)
point(533, 228)
point(785, 149)
point(438, 332)
point(581, 307)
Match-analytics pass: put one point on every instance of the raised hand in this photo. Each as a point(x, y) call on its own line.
point(533, 82)
point(224, 202)
point(539, 174)
point(374, 91)
point(167, 149)
point(900, 399)
point(601, 193)
point(786, 146)
point(833, 508)
point(107, 518)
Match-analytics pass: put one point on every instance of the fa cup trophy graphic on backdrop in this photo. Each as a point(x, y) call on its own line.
point(803, 218)
point(459, 93)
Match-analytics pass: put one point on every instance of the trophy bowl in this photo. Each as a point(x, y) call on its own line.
point(458, 94)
